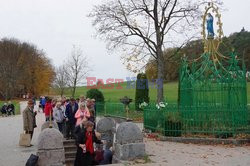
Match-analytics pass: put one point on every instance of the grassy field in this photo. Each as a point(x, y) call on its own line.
point(113, 95)
point(16, 104)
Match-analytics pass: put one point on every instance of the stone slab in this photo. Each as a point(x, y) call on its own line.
point(129, 151)
point(51, 157)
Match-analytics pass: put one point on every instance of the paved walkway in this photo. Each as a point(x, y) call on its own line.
point(11, 154)
point(161, 153)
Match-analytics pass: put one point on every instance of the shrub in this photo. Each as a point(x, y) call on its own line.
point(142, 90)
point(95, 94)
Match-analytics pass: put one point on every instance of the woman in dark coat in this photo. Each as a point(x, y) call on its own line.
point(85, 148)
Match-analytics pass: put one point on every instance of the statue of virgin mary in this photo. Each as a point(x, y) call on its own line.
point(210, 27)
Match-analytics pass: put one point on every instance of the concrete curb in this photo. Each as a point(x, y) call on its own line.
point(206, 141)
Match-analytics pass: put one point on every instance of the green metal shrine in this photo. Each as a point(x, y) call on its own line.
point(213, 95)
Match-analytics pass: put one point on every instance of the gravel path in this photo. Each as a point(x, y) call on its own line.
point(178, 154)
point(160, 153)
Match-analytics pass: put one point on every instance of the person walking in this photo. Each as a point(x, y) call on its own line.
point(70, 112)
point(85, 148)
point(58, 115)
point(82, 113)
point(29, 119)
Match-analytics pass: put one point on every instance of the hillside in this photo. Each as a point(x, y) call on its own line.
point(113, 95)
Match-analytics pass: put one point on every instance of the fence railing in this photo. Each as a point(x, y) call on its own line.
point(216, 121)
point(173, 120)
point(118, 110)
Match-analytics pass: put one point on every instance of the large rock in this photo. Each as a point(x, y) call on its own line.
point(106, 126)
point(50, 148)
point(129, 143)
point(47, 125)
point(128, 132)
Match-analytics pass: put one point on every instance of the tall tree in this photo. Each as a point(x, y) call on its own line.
point(61, 80)
point(77, 69)
point(23, 69)
point(143, 28)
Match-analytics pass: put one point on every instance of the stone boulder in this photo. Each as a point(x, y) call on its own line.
point(106, 127)
point(105, 124)
point(50, 148)
point(128, 132)
point(129, 143)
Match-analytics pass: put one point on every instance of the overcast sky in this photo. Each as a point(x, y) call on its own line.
point(56, 25)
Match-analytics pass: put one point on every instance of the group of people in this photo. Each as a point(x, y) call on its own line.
point(68, 113)
point(76, 120)
point(8, 109)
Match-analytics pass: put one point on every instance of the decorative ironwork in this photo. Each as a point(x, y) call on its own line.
point(213, 81)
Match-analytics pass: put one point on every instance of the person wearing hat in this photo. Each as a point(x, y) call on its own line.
point(29, 118)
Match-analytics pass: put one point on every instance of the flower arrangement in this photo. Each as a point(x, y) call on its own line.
point(142, 105)
point(161, 105)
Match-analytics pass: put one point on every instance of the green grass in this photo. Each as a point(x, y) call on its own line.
point(113, 95)
point(16, 104)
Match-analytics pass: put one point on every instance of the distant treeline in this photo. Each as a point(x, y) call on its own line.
point(23, 69)
point(239, 42)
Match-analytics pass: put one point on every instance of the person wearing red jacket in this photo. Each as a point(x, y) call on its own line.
point(48, 110)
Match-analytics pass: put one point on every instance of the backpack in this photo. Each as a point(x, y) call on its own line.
point(32, 161)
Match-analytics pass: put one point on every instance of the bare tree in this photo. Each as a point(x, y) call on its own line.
point(61, 79)
point(143, 28)
point(77, 69)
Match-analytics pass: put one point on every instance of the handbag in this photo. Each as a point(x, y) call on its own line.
point(25, 139)
point(32, 161)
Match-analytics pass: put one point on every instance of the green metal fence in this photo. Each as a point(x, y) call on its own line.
point(174, 120)
point(118, 110)
point(216, 121)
